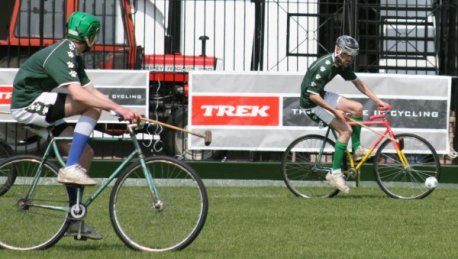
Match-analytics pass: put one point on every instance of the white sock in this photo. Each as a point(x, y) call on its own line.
point(336, 171)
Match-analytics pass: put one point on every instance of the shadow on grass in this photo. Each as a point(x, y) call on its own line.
point(347, 196)
point(360, 196)
point(85, 246)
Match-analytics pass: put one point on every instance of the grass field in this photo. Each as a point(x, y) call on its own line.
point(269, 222)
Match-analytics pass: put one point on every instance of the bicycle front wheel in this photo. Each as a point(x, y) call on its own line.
point(305, 164)
point(169, 218)
point(406, 182)
point(6, 178)
point(32, 215)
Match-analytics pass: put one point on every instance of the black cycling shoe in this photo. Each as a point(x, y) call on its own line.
point(82, 231)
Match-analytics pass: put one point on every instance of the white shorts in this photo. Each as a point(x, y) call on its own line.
point(325, 115)
point(36, 112)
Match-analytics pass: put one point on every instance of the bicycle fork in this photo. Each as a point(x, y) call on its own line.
point(399, 146)
point(157, 202)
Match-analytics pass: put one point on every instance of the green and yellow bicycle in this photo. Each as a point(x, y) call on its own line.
point(401, 163)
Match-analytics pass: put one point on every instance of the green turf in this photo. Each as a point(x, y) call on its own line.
point(269, 222)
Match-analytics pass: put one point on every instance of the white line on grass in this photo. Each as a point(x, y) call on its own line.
point(211, 182)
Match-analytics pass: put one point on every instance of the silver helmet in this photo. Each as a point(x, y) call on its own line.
point(347, 45)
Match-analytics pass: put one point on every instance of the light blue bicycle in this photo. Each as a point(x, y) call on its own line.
point(157, 203)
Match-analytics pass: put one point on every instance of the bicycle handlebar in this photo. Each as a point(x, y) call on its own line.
point(207, 135)
point(383, 115)
point(131, 126)
point(384, 108)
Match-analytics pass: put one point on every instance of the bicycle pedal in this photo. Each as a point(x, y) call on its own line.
point(79, 235)
point(80, 238)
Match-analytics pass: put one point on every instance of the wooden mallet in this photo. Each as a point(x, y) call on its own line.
point(207, 135)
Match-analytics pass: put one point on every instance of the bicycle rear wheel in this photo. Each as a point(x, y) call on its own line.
point(6, 179)
point(143, 224)
point(406, 183)
point(305, 168)
point(27, 218)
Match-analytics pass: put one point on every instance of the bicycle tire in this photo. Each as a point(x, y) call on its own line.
point(406, 183)
point(6, 180)
point(28, 227)
point(185, 205)
point(300, 172)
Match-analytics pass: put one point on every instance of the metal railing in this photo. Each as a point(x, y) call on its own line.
point(396, 36)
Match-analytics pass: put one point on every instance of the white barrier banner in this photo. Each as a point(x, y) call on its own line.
point(126, 87)
point(259, 111)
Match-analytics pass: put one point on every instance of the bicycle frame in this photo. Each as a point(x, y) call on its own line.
point(137, 152)
point(379, 119)
point(401, 162)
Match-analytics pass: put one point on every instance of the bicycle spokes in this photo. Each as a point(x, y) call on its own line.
point(32, 219)
point(402, 173)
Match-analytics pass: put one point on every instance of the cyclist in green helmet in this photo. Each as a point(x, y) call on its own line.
point(83, 27)
point(330, 107)
point(52, 85)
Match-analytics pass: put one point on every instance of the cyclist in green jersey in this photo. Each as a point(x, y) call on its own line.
point(52, 85)
point(331, 108)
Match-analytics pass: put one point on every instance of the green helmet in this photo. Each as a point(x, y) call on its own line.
point(81, 26)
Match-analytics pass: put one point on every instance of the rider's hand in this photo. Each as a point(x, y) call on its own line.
point(340, 115)
point(129, 115)
point(381, 105)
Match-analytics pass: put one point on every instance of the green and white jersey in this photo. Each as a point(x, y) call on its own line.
point(318, 75)
point(49, 68)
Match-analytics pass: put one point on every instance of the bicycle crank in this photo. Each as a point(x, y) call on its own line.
point(78, 211)
point(351, 173)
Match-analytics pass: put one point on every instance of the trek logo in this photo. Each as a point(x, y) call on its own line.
point(6, 93)
point(239, 110)
point(235, 110)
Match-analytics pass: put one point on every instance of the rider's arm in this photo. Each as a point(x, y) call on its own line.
point(90, 87)
point(90, 96)
point(83, 95)
point(363, 88)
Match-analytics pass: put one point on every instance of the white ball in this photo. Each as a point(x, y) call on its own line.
point(431, 182)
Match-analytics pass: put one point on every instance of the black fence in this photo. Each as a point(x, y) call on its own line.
point(171, 37)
